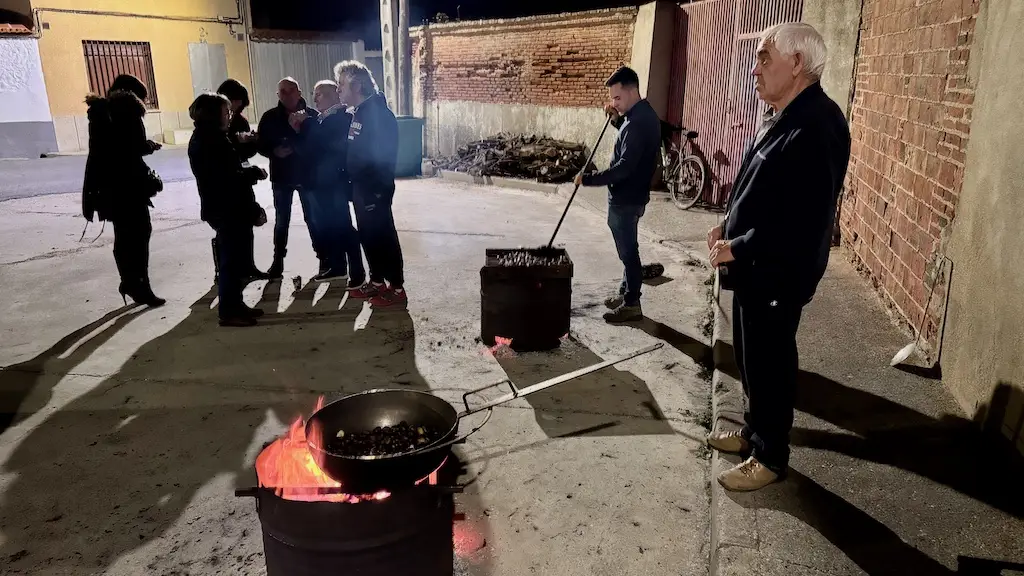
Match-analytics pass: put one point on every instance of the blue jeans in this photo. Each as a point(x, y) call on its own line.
point(624, 222)
point(283, 194)
point(337, 238)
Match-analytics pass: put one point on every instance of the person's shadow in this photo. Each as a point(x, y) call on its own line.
point(116, 468)
point(26, 387)
point(945, 451)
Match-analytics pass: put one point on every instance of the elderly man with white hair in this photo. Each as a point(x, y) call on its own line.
point(773, 245)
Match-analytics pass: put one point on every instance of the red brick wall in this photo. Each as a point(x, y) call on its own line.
point(910, 124)
point(560, 60)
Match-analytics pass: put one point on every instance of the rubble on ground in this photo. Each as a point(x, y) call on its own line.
point(519, 156)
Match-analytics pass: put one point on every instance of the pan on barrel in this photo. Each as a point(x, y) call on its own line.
point(360, 413)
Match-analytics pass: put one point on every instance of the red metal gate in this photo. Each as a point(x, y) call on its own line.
point(715, 53)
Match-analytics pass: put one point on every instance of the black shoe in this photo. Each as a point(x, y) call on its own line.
point(141, 294)
point(276, 271)
point(329, 275)
point(256, 274)
point(238, 322)
point(254, 312)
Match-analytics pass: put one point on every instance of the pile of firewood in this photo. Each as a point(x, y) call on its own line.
point(517, 156)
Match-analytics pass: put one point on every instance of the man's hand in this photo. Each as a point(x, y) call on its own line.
point(610, 110)
point(578, 179)
point(283, 151)
point(295, 119)
point(262, 175)
point(714, 235)
point(155, 145)
point(246, 137)
point(721, 253)
point(261, 218)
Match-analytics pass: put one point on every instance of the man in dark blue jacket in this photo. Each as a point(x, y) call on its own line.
point(323, 141)
point(276, 140)
point(372, 155)
point(628, 179)
point(774, 244)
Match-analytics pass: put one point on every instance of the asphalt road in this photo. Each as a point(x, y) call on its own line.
point(63, 174)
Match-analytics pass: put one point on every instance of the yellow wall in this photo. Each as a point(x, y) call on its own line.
point(196, 8)
point(63, 62)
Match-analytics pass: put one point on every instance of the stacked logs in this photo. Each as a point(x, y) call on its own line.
point(518, 156)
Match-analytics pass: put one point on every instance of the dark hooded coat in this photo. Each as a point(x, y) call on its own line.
point(117, 179)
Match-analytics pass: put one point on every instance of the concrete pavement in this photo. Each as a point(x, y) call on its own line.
point(887, 475)
point(21, 178)
point(134, 426)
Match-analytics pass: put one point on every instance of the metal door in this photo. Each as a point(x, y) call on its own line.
point(307, 62)
point(209, 66)
point(715, 53)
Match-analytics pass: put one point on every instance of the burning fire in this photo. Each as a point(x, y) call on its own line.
point(288, 467)
point(502, 347)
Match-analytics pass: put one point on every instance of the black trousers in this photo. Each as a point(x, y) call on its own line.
point(234, 252)
point(132, 231)
point(379, 237)
point(764, 341)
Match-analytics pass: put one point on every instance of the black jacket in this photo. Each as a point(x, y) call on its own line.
point(634, 160)
point(240, 125)
point(323, 142)
point(782, 209)
point(373, 149)
point(274, 130)
point(117, 179)
point(225, 186)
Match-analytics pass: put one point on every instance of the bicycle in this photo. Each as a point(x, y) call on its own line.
point(683, 172)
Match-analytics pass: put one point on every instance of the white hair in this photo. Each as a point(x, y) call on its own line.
point(330, 83)
point(355, 70)
point(792, 38)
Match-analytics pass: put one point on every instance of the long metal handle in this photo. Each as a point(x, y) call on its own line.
point(465, 397)
point(522, 392)
point(577, 188)
point(518, 393)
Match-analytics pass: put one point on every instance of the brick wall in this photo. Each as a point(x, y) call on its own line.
point(910, 124)
point(560, 60)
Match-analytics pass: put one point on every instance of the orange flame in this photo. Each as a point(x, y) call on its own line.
point(287, 466)
point(502, 347)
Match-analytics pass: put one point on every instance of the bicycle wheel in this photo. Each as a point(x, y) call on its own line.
point(689, 184)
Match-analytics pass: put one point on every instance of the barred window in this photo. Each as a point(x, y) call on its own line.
point(105, 60)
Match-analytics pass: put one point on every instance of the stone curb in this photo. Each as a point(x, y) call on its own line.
point(733, 527)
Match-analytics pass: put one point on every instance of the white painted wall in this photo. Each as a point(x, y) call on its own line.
point(22, 90)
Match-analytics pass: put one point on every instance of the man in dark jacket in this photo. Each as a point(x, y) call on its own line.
point(244, 140)
point(372, 155)
point(276, 140)
point(634, 160)
point(773, 247)
point(323, 141)
point(227, 202)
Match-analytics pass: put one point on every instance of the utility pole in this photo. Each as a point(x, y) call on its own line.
point(394, 35)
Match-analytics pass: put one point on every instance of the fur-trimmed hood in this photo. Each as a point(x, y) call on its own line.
point(119, 103)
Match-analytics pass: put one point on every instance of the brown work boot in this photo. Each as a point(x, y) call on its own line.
point(613, 302)
point(747, 476)
point(731, 442)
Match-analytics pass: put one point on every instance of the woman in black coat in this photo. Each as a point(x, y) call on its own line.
point(244, 140)
point(118, 183)
point(228, 203)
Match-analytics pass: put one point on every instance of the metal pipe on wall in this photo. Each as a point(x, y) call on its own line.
point(226, 20)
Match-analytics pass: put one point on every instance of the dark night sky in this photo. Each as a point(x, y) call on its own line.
point(361, 17)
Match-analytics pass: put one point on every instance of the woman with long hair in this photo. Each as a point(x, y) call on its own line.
point(119, 185)
point(228, 203)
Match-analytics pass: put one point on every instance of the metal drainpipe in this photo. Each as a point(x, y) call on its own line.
point(227, 20)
